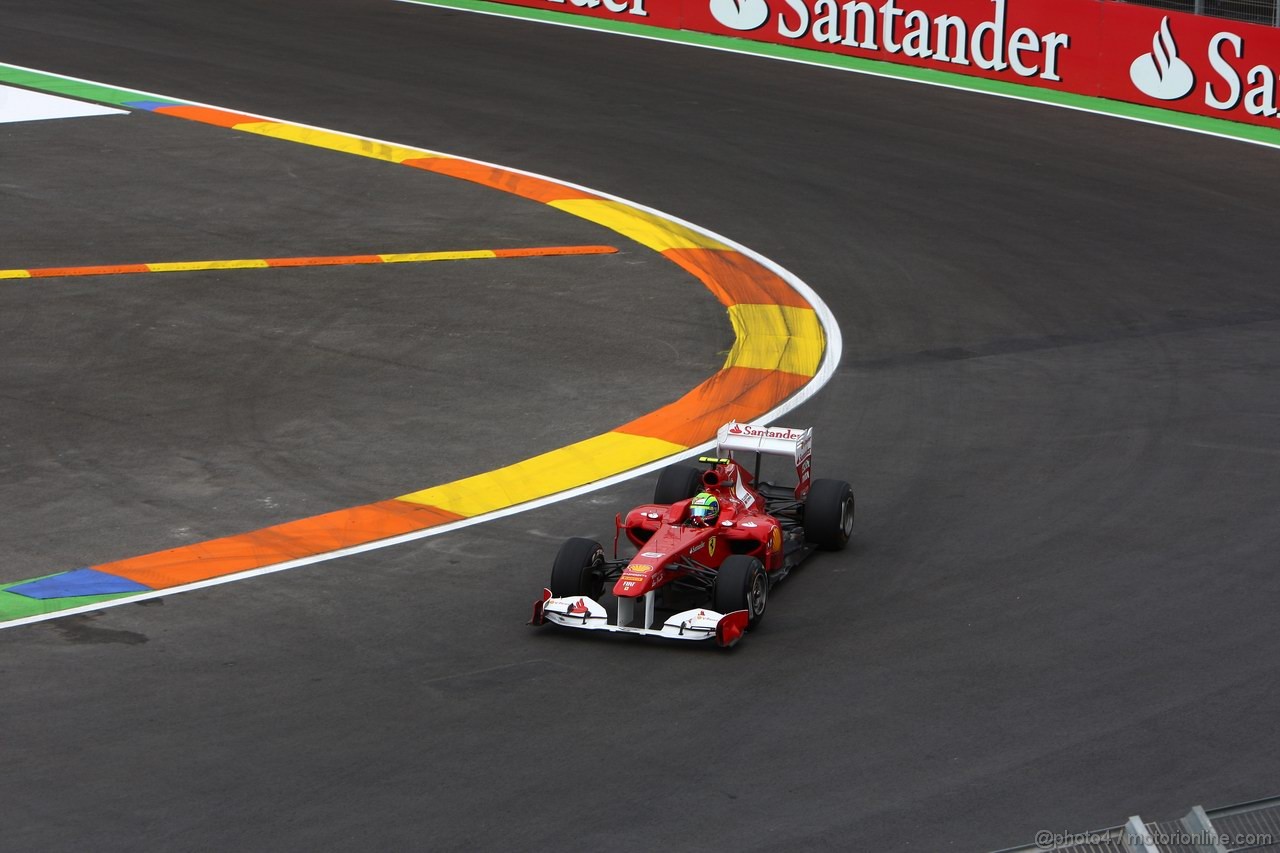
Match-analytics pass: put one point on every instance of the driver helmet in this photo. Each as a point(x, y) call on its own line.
point(705, 508)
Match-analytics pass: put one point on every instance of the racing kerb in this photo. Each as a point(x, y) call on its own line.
point(787, 346)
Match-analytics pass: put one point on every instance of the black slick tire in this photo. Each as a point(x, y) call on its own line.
point(578, 569)
point(741, 584)
point(676, 483)
point(828, 514)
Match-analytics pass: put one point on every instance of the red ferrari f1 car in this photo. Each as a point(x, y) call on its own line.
point(716, 537)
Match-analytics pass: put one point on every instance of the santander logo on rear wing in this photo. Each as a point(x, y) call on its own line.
point(775, 441)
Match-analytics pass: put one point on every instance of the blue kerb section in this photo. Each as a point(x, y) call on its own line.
point(76, 583)
point(150, 105)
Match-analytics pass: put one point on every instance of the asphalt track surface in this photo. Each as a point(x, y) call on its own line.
point(1058, 404)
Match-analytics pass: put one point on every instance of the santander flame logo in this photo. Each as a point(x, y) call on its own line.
point(1160, 74)
point(740, 15)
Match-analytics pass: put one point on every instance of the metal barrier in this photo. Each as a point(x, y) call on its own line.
point(1232, 829)
point(1251, 11)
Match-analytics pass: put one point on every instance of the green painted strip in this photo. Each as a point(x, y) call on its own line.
point(14, 606)
point(1120, 109)
point(57, 85)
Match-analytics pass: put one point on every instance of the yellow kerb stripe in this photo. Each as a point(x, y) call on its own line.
point(647, 229)
point(14, 274)
point(334, 141)
point(776, 337)
point(584, 462)
point(414, 257)
point(189, 266)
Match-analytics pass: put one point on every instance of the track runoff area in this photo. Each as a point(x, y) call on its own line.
point(786, 347)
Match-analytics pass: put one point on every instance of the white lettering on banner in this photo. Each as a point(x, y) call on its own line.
point(1261, 100)
point(946, 38)
point(629, 7)
point(916, 42)
point(801, 10)
point(1023, 39)
point(949, 24)
point(1224, 70)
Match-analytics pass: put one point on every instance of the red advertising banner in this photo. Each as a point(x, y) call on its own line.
point(1107, 48)
point(1043, 44)
point(1189, 63)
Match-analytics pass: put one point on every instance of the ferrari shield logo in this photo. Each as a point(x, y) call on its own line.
point(711, 547)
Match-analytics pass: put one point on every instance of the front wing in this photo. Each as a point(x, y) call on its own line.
point(584, 613)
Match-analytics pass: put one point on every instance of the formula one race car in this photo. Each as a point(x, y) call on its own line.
point(716, 537)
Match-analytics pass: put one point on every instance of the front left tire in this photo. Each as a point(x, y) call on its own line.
point(742, 584)
point(578, 569)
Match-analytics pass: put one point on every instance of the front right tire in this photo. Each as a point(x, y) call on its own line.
point(676, 483)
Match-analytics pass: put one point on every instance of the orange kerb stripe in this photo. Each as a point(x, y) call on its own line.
point(500, 179)
point(334, 260)
point(271, 545)
point(735, 393)
point(735, 278)
point(206, 115)
point(554, 250)
point(49, 272)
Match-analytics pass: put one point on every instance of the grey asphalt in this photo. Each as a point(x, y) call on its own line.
point(1058, 404)
point(151, 410)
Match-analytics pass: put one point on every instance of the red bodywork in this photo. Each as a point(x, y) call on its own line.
point(667, 538)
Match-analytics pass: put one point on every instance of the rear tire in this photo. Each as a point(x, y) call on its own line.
point(742, 584)
point(676, 483)
point(578, 569)
point(828, 514)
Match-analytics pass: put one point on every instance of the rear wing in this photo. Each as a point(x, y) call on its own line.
point(775, 441)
